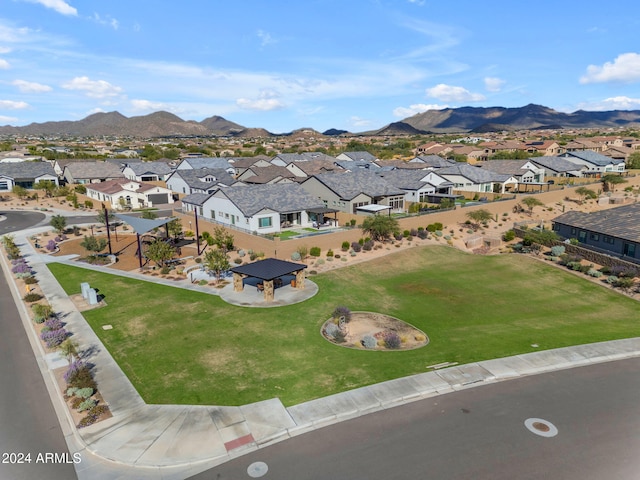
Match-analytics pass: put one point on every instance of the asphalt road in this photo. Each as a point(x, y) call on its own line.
point(477, 434)
point(28, 423)
point(15, 221)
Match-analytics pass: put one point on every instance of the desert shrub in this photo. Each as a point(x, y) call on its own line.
point(447, 237)
point(87, 404)
point(79, 375)
point(320, 261)
point(576, 266)
point(398, 236)
point(345, 246)
point(51, 245)
point(624, 283)
point(622, 271)
point(330, 253)
point(356, 246)
point(509, 235)
point(422, 234)
point(361, 241)
point(315, 251)
point(419, 337)
point(566, 259)
point(557, 250)
point(42, 309)
point(438, 233)
point(83, 392)
point(339, 336)
point(594, 273)
point(237, 261)
point(584, 268)
point(406, 233)
point(368, 245)
point(295, 256)
point(53, 338)
point(253, 256)
point(32, 297)
point(30, 280)
point(53, 323)
point(21, 268)
point(241, 253)
point(369, 342)
point(342, 311)
point(413, 232)
point(198, 260)
point(353, 254)
point(88, 203)
point(612, 280)
point(392, 340)
point(92, 416)
point(330, 329)
point(75, 402)
point(165, 270)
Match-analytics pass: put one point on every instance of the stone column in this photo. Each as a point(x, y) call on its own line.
point(300, 279)
point(237, 282)
point(268, 290)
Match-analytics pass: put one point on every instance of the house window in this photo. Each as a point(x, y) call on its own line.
point(226, 215)
point(607, 239)
point(220, 213)
point(595, 236)
point(264, 222)
point(573, 231)
point(4, 185)
point(213, 214)
point(396, 203)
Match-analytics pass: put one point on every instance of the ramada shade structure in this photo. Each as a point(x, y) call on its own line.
point(142, 226)
point(268, 270)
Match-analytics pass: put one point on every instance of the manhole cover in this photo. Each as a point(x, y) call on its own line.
point(257, 469)
point(541, 427)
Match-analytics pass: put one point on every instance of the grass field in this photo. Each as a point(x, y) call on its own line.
point(183, 347)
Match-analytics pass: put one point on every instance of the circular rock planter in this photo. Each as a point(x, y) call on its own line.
point(373, 331)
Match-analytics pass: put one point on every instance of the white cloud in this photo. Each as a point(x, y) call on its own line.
point(493, 84)
point(8, 120)
point(625, 68)
point(147, 105)
point(612, 103)
point(263, 104)
point(110, 21)
point(265, 38)
point(450, 93)
point(59, 6)
point(31, 87)
point(411, 110)
point(4, 50)
point(360, 122)
point(93, 88)
point(417, 2)
point(13, 105)
point(4, 65)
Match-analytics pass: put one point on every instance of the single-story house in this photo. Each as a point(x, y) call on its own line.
point(420, 186)
point(126, 194)
point(284, 159)
point(432, 161)
point(269, 174)
point(206, 162)
point(25, 174)
point(256, 208)
point(200, 180)
point(91, 172)
point(524, 171)
point(357, 157)
point(349, 190)
point(147, 171)
point(615, 231)
point(468, 178)
point(596, 163)
point(558, 166)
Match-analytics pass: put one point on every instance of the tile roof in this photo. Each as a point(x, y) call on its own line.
point(193, 177)
point(556, 164)
point(159, 168)
point(507, 167)
point(360, 156)
point(592, 157)
point(351, 184)
point(279, 197)
point(206, 162)
point(93, 170)
point(435, 161)
point(406, 179)
point(26, 170)
point(475, 174)
point(196, 198)
point(621, 222)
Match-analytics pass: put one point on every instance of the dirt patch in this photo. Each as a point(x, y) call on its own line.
point(365, 326)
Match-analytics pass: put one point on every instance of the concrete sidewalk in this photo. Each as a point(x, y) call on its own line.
point(176, 441)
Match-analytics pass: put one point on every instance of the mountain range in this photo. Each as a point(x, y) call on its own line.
point(449, 120)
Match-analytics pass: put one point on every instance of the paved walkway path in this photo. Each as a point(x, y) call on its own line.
point(176, 441)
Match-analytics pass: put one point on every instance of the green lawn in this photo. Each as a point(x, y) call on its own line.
point(182, 347)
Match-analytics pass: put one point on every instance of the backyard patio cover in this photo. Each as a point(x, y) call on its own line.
point(268, 269)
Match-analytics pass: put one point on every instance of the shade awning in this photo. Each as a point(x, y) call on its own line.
point(322, 210)
point(268, 269)
point(142, 225)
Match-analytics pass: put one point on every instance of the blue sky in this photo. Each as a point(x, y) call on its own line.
point(355, 65)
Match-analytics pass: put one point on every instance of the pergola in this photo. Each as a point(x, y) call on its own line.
point(322, 212)
point(268, 270)
point(142, 226)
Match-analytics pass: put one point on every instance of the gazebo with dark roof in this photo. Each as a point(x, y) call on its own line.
point(268, 270)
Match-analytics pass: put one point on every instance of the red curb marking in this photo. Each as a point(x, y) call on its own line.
point(238, 442)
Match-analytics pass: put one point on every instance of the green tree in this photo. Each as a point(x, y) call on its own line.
point(217, 261)
point(585, 193)
point(48, 186)
point(100, 217)
point(380, 227)
point(532, 202)
point(633, 161)
point(222, 239)
point(59, 223)
point(610, 181)
point(479, 216)
point(149, 214)
point(20, 192)
point(69, 349)
point(160, 252)
point(175, 228)
point(93, 244)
